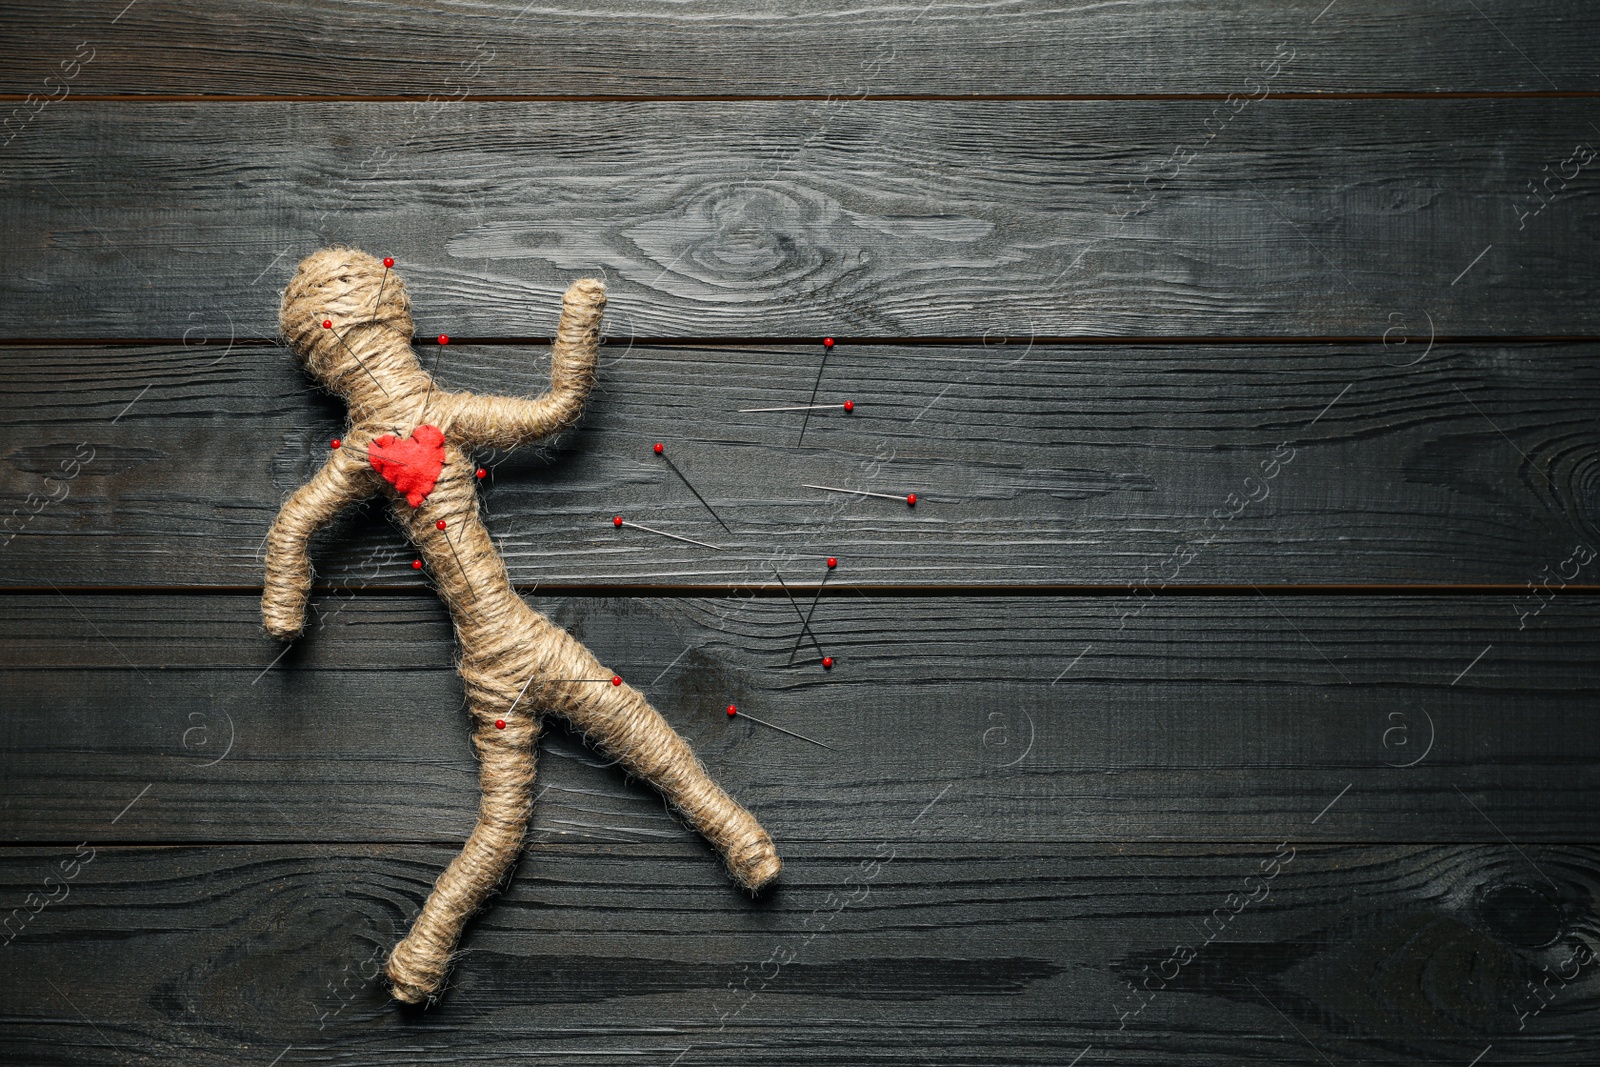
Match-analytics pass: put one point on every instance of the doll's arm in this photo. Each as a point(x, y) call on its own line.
point(504, 421)
point(342, 481)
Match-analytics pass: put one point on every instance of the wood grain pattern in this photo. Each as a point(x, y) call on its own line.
point(772, 219)
point(1035, 466)
point(900, 952)
point(1032, 719)
point(626, 47)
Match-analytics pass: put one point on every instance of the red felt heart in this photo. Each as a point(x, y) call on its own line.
point(412, 465)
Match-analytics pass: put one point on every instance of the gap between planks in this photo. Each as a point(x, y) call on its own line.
point(762, 98)
point(835, 589)
point(729, 343)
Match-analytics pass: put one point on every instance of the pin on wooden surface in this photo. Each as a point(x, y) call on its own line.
point(805, 621)
point(909, 498)
point(619, 522)
point(733, 711)
point(848, 406)
point(827, 346)
point(833, 561)
point(661, 450)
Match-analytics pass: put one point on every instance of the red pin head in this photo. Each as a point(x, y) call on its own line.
point(388, 261)
point(327, 324)
point(444, 338)
point(616, 520)
point(482, 473)
point(499, 724)
point(827, 342)
point(616, 679)
point(659, 448)
point(849, 406)
point(335, 443)
point(911, 499)
point(832, 563)
point(441, 524)
point(416, 564)
point(827, 663)
point(732, 711)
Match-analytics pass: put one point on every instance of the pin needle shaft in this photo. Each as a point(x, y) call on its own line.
point(663, 533)
point(781, 730)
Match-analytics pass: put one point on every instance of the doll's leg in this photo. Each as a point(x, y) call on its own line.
point(418, 965)
point(622, 723)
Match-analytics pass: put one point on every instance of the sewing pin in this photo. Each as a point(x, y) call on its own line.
point(388, 262)
point(805, 627)
point(521, 691)
point(327, 324)
point(441, 525)
point(444, 339)
point(909, 498)
point(833, 562)
point(661, 451)
point(733, 710)
point(619, 523)
point(848, 405)
point(827, 346)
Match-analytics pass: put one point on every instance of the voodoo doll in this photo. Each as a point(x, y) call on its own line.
point(348, 318)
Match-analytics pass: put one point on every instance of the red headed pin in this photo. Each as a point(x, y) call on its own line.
point(805, 623)
point(827, 342)
point(616, 520)
point(441, 524)
point(661, 450)
point(327, 324)
point(481, 474)
point(335, 443)
point(388, 261)
point(499, 724)
point(827, 663)
point(416, 564)
point(848, 405)
point(733, 710)
point(616, 679)
point(444, 338)
point(909, 498)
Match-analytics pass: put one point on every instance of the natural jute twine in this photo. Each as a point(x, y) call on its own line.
point(366, 357)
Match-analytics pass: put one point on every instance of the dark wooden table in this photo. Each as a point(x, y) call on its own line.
point(1228, 697)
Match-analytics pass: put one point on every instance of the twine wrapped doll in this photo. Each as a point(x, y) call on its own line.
point(348, 318)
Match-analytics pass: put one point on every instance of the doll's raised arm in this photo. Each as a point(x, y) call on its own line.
point(506, 421)
point(342, 481)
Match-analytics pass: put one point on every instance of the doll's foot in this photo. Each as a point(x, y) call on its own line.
point(754, 864)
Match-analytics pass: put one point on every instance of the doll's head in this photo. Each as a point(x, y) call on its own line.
point(364, 352)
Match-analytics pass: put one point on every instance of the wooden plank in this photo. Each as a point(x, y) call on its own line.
point(899, 952)
point(626, 47)
point(1034, 465)
point(878, 219)
point(1028, 719)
